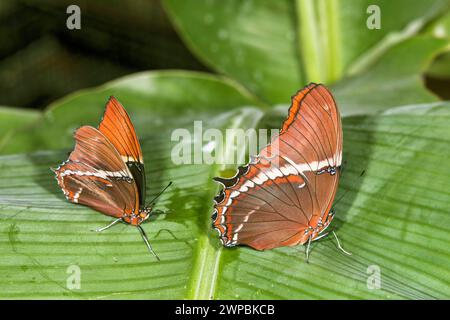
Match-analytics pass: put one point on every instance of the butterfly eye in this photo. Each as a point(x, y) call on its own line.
point(144, 214)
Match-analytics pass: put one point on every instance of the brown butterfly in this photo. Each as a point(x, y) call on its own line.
point(283, 197)
point(105, 171)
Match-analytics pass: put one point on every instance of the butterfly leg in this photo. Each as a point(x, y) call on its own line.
point(108, 226)
point(339, 245)
point(307, 249)
point(149, 247)
point(321, 236)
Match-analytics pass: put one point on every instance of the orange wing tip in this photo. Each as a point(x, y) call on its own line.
point(296, 101)
point(113, 98)
point(128, 147)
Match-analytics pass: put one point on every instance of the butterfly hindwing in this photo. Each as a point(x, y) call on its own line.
point(96, 176)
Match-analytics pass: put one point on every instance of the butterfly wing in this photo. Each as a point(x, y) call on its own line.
point(260, 208)
point(96, 176)
point(118, 129)
point(284, 195)
point(311, 139)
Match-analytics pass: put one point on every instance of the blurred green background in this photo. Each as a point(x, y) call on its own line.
point(41, 60)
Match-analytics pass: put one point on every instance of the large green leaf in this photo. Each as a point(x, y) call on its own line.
point(252, 43)
point(441, 67)
point(273, 47)
point(393, 213)
point(394, 80)
point(166, 93)
point(13, 118)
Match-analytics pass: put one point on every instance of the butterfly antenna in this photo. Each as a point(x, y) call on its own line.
point(160, 193)
point(339, 244)
point(149, 247)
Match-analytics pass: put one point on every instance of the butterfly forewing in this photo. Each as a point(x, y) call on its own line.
point(283, 196)
point(118, 129)
point(311, 139)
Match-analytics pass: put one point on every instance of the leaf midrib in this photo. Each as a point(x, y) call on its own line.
point(206, 267)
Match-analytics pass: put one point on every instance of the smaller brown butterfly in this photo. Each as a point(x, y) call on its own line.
point(105, 171)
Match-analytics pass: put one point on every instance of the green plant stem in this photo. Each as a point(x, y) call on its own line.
point(332, 43)
point(319, 35)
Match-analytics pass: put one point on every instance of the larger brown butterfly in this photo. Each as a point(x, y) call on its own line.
point(283, 197)
point(105, 171)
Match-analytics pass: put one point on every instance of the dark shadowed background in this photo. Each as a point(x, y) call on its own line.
point(41, 60)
